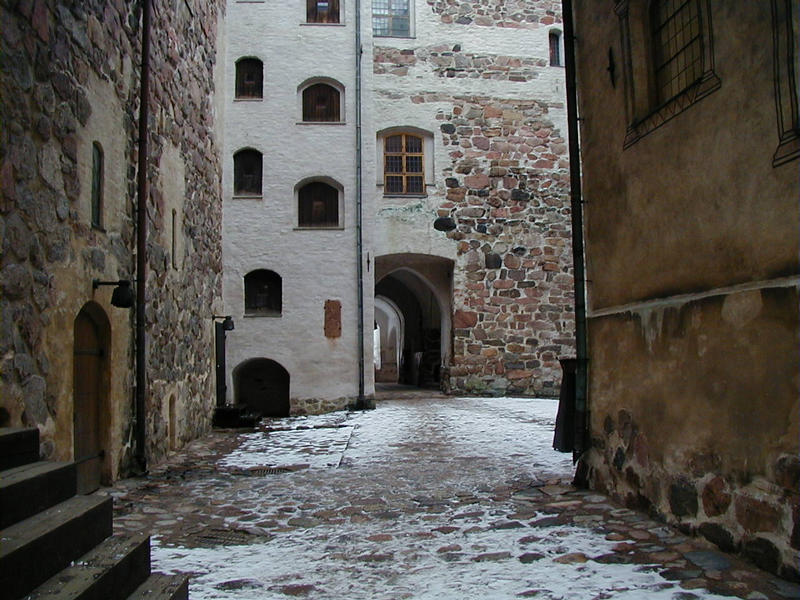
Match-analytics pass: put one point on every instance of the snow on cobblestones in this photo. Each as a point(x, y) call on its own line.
point(456, 498)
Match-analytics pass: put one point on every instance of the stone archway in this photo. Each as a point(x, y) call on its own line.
point(419, 287)
point(90, 384)
point(262, 385)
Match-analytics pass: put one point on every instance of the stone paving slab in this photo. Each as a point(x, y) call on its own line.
point(438, 498)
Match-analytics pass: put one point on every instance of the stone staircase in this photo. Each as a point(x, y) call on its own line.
point(57, 545)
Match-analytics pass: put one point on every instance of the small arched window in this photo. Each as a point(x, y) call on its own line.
point(322, 11)
point(318, 205)
point(321, 103)
point(247, 166)
point(263, 291)
point(555, 48)
point(97, 185)
point(249, 78)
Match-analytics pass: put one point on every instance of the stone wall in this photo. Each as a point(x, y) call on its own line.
point(69, 77)
point(496, 110)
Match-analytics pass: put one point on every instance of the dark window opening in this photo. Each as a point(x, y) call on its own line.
point(249, 78)
point(263, 291)
point(677, 46)
point(97, 185)
point(322, 11)
point(318, 205)
point(391, 18)
point(403, 169)
point(247, 165)
point(555, 49)
point(321, 103)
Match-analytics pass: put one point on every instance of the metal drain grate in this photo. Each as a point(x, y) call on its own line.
point(261, 471)
point(212, 537)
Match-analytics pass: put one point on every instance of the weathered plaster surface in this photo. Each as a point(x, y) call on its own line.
point(692, 247)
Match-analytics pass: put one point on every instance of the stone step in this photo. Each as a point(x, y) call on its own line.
point(36, 548)
point(18, 446)
point(29, 489)
point(110, 571)
point(163, 587)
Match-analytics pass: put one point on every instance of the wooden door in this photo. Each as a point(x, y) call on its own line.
point(87, 393)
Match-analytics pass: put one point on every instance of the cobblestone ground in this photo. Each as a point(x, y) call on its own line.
point(421, 498)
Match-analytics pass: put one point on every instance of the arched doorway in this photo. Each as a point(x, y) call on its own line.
point(389, 318)
point(418, 290)
point(262, 385)
point(92, 333)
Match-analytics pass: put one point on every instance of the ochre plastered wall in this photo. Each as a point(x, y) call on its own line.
point(692, 262)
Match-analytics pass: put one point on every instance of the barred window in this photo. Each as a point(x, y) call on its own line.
point(318, 205)
point(403, 165)
point(391, 18)
point(249, 78)
point(247, 166)
point(322, 11)
point(677, 46)
point(262, 293)
point(321, 103)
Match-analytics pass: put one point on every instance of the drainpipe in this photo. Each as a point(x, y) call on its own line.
point(579, 270)
point(361, 402)
point(141, 241)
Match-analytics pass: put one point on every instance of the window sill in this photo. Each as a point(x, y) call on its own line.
point(307, 24)
point(259, 315)
point(247, 197)
point(319, 228)
point(405, 195)
point(246, 99)
point(98, 228)
point(704, 86)
point(321, 123)
point(397, 37)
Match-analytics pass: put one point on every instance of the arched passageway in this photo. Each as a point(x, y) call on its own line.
point(262, 385)
point(413, 299)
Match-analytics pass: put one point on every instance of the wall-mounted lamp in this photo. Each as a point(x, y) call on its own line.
point(122, 296)
point(227, 322)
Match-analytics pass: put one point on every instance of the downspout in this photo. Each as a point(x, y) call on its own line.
point(579, 269)
point(360, 401)
point(141, 241)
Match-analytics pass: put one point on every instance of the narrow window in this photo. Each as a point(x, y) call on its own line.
point(318, 205)
point(555, 49)
point(403, 164)
point(174, 252)
point(262, 293)
point(97, 185)
point(677, 46)
point(247, 165)
point(391, 18)
point(321, 103)
point(249, 78)
point(322, 11)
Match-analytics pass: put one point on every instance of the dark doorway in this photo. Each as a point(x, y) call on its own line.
point(90, 391)
point(262, 385)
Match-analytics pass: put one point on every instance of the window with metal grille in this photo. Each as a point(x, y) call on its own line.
point(555, 48)
point(262, 293)
point(318, 205)
point(391, 18)
point(322, 11)
point(403, 164)
point(677, 46)
point(321, 103)
point(249, 78)
point(97, 185)
point(247, 166)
